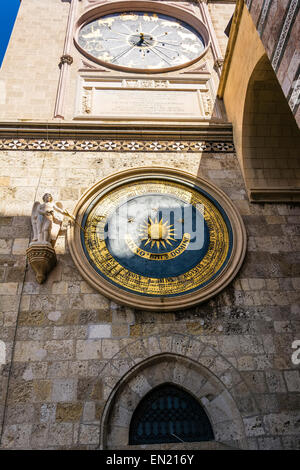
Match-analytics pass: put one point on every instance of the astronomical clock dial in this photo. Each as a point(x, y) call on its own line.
point(138, 40)
point(155, 242)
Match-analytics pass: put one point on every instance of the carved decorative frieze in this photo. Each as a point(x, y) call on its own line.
point(116, 145)
point(145, 83)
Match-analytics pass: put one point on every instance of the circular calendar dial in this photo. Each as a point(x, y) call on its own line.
point(157, 239)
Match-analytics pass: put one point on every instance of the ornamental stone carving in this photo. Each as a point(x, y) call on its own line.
point(66, 59)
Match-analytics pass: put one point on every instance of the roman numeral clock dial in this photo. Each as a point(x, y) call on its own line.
point(141, 41)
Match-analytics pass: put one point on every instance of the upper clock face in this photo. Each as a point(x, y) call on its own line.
point(139, 40)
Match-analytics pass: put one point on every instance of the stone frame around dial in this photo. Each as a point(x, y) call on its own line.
point(137, 5)
point(157, 303)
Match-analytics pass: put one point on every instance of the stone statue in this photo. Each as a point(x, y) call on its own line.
point(46, 221)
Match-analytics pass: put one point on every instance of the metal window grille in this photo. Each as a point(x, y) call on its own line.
point(169, 414)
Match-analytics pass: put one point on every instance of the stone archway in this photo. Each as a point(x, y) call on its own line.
point(270, 139)
point(182, 359)
point(266, 134)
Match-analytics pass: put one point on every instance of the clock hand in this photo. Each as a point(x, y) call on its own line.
point(113, 39)
point(159, 55)
point(123, 53)
point(167, 39)
point(154, 29)
point(170, 43)
point(122, 34)
point(162, 52)
point(155, 47)
point(167, 48)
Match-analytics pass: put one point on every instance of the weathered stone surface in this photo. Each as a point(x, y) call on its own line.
point(88, 349)
point(68, 412)
point(89, 434)
point(99, 331)
point(64, 390)
point(60, 434)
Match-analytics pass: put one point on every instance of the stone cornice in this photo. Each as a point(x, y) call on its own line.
point(274, 195)
point(54, 130)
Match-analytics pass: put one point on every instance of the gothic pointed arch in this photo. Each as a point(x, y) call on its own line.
point(186, 377)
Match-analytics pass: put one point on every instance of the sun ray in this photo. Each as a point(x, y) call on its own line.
point(157, 233)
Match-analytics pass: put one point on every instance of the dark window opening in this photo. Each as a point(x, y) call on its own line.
point(169, 414)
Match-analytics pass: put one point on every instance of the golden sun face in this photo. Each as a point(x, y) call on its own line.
point(157, 232)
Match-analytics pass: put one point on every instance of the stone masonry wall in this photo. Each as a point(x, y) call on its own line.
point(69, 345)
point(30, 71)
point(221, 13)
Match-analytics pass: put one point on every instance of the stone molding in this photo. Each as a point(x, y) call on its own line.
point(274, 195)
point(212, 130)
point(65, 60)
point(230, 46)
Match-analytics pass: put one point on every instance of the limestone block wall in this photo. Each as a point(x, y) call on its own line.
point(221, 13)
point(67, 346)
point(278, 26)
point(29, 73)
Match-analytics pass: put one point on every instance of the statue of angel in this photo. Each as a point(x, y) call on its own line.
point(46, 221)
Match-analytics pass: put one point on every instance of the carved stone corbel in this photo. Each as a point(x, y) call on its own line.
point(219, 63)
point(42, 259)
point(66, 59)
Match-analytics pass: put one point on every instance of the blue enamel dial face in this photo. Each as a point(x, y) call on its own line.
point(157, 238)
point(140, 40)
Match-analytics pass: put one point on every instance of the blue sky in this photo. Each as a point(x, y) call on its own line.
point(8, 13)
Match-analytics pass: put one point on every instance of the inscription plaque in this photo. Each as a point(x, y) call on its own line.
point(143, 99)
point(146, 103)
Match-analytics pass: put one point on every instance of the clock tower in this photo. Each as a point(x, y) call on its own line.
point(145, 301)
